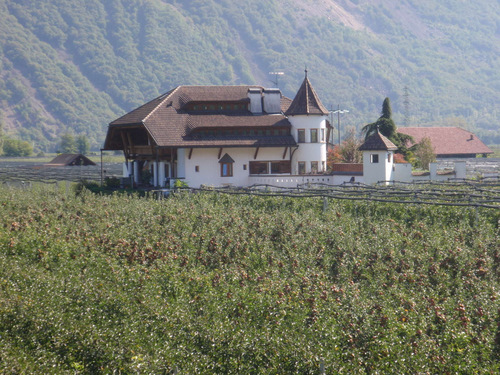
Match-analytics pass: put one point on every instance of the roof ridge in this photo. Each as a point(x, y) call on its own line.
point(161, 102)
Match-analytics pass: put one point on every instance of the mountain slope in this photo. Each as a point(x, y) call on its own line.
point(68, 64)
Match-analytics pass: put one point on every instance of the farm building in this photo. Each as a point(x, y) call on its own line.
point(67, 160)
point(449, 142)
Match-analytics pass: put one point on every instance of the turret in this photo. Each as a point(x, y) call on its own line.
point(308, 117)
point(378, 158)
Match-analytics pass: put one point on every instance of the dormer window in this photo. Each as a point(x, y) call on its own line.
point(226, 166)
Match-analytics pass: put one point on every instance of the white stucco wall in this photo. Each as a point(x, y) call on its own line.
point(402, 172)
point(381, 171)
point(209, 173)
point(308, 151)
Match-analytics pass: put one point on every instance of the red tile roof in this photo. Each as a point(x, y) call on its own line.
point(448, 141)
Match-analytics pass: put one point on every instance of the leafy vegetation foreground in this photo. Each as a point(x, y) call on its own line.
point(209, 283)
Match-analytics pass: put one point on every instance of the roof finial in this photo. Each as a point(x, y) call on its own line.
point(306, 71)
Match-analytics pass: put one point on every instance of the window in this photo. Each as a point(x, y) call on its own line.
point(244, 167)
point(373, 158)
point(259, 167)
point(314, 167)
point(389, 155)
point(322, 132)
point(226, 169)
point(197, 168)
point(226, 166)
point(314, 135)
point(270, 167)
point(301, 135)
point(279, 167)
point(323, 166)
point(302, 167)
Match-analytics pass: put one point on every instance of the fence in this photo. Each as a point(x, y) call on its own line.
point(469, 193)
point(17, 173)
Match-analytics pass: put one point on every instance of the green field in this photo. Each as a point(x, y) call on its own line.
point(210, 283)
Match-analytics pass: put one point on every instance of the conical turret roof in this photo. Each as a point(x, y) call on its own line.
point(306, 101)
point(378, 142)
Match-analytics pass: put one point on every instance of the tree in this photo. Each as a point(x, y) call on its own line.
point(348, 151)
point(68, 144)
point(82, 144)
point(424, 153)
point(16, 147)
point(385, 124)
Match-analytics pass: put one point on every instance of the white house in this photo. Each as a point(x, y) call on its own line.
point(241, 136)
point(224, 135)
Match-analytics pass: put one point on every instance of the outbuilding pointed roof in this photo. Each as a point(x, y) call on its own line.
point(306, 101)
point(378, 142)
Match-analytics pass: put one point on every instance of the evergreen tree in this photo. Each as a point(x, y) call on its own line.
point(386, 126)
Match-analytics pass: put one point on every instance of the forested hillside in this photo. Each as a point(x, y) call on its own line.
point(78, 64)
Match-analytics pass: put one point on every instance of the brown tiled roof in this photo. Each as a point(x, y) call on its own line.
point(448, 140)
point(285, 103)
point(170, 125)
point(214, 93)
point(347, 167)
point(240, 141)
point(306, 101)
point(377, 142)
point(224, 121)
point(138, 115)
point(70, 159)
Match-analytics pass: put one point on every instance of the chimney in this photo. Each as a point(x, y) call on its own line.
point(255, 96)
point(272, 100)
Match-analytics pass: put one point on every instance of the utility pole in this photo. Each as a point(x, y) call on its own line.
point(338, 111)
point(406, 104)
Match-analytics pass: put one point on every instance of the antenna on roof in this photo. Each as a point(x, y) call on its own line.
point(276, 75)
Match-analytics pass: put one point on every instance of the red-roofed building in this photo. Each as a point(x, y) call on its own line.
point(449, 142)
